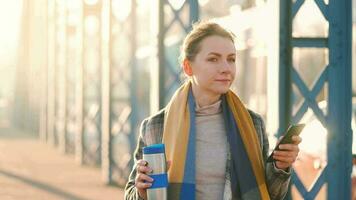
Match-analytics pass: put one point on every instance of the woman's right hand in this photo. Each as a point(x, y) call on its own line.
point(142, 180)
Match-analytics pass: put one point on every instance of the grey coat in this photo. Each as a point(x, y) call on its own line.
point(151, 131)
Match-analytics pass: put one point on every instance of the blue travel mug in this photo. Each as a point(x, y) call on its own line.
point(156, 159)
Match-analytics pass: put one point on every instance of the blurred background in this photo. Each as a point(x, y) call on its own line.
point(77, 77)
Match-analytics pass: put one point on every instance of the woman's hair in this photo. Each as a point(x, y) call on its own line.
point(201, 30)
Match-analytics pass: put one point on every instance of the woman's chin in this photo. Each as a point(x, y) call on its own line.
point(222, 90)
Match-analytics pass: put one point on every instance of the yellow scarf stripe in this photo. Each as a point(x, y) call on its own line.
point(250, 140)
point(176, 133)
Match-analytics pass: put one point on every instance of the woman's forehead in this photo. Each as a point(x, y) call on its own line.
point(217, 44)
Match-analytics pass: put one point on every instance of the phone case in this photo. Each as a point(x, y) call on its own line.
point(287, 138)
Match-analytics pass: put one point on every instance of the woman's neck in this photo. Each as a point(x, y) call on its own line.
point(203, 98)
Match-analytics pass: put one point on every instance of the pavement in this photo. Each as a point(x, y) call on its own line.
point(31, 169)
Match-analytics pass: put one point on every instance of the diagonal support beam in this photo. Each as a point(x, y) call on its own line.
point(315, 91)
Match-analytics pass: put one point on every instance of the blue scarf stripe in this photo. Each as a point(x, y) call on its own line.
point(187, 191)
point(188, 187)
point(242, 176)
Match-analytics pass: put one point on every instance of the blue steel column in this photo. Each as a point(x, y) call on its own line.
point(165, 67)
point(340, 133)
point(338, 74)
point(193, 11)
point(285, 65)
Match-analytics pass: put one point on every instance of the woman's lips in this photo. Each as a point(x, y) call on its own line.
point(223, 80)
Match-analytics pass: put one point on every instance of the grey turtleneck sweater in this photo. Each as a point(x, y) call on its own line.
point(211, 152)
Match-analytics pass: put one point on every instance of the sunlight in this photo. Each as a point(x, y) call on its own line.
point(9, 30)
point(314, 138)
point(316, 24)
point(91, 25)
point(176, 4)
point(203, 2)
point(121, 9)
point(91, 2)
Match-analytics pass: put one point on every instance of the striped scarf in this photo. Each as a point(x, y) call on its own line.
point(247, 168)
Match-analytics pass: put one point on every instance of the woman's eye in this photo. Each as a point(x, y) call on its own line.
point(232, 60)
point(212, 59)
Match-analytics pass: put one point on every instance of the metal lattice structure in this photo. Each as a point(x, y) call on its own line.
point(119, 108)
point(92, 24)
point(91, 98)
point(336, 77)
point(73, 58)
point(173, 26)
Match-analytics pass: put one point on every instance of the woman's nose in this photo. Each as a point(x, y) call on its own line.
point(225, 67)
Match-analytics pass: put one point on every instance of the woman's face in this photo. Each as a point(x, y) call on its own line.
point(213, 69)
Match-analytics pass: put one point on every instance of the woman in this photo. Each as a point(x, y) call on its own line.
point(217, 148)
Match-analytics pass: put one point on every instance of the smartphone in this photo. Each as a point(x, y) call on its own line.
point(287, 138)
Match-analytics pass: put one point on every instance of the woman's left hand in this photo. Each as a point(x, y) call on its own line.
point(287, 154)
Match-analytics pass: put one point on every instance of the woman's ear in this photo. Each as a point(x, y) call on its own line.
point(187, 67)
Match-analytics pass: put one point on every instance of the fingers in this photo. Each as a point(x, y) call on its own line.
point(283, 162)
point(287, 153)
point(287, 150)
point(282, 165)
point(289, 147)
point(142, 180)
point(142, 167)
point(285, 159)
point(142, 162)
point(296, 139)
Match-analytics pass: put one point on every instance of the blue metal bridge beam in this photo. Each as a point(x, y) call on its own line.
point(339, 126)
point(285, 65)
point(338, 75)
point(163, 28)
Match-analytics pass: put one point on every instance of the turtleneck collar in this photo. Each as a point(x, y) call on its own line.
point(211, 109)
